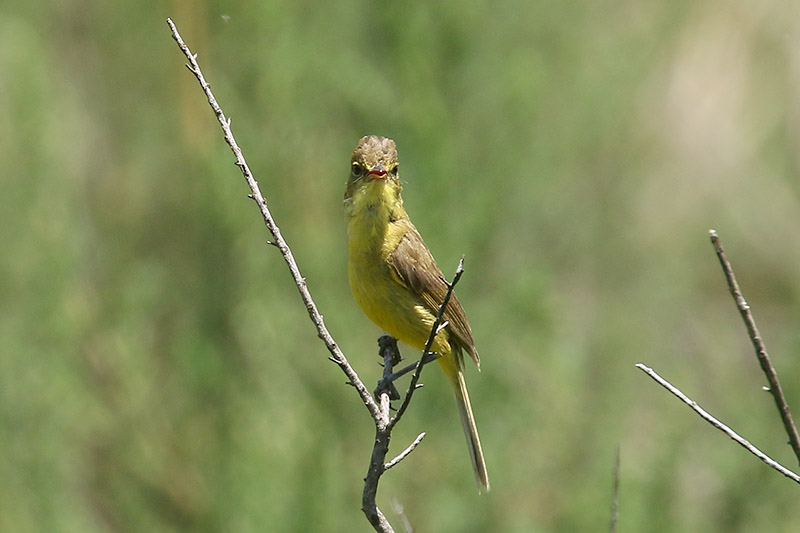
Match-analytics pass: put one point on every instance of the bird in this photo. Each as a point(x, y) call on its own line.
point(396, 281)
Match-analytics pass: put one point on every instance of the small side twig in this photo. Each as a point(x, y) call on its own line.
point(761, 350)
point(402, 455)
point(705, 415)
point(425, 359)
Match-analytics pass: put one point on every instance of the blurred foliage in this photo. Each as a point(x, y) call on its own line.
point(159, 372)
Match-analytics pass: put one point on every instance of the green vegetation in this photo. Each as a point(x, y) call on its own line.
point(159, 372)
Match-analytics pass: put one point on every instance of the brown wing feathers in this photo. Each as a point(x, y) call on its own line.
point(415, 267)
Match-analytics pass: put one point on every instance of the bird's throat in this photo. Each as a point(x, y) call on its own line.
point(374, 209)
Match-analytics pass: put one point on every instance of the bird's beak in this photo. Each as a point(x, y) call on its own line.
point(377, 173)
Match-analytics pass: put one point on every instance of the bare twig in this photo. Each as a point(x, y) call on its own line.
point(758, 344)
point(405, 452)
point(225, 123)
point(376, 470)
point(379, 411)
point(425, 359)
point(612, 525)
point(379, 408)
point(719, 425)
point(438, 325)
point(385, 393)
point(384, 424)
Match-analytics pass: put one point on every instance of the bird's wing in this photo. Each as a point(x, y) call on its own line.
point(414, 267)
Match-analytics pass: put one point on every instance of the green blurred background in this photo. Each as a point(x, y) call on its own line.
point(160, 373)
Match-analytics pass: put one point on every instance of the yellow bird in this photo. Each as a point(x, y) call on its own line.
point(395, 279)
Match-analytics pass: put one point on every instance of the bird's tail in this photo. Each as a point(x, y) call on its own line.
point(456, 376)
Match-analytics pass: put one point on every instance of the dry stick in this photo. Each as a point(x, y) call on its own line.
point(758, 344)
point(380, 413)
point(385, 424)
point(336, 354)
point(402, 455)
point(377, 467)
point(438, 325)
point(385, 392)
point(719, 425)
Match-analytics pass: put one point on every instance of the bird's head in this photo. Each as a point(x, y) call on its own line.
point(373, 167)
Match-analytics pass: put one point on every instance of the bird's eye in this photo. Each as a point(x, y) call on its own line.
point(394, 170)
point(357, 170)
